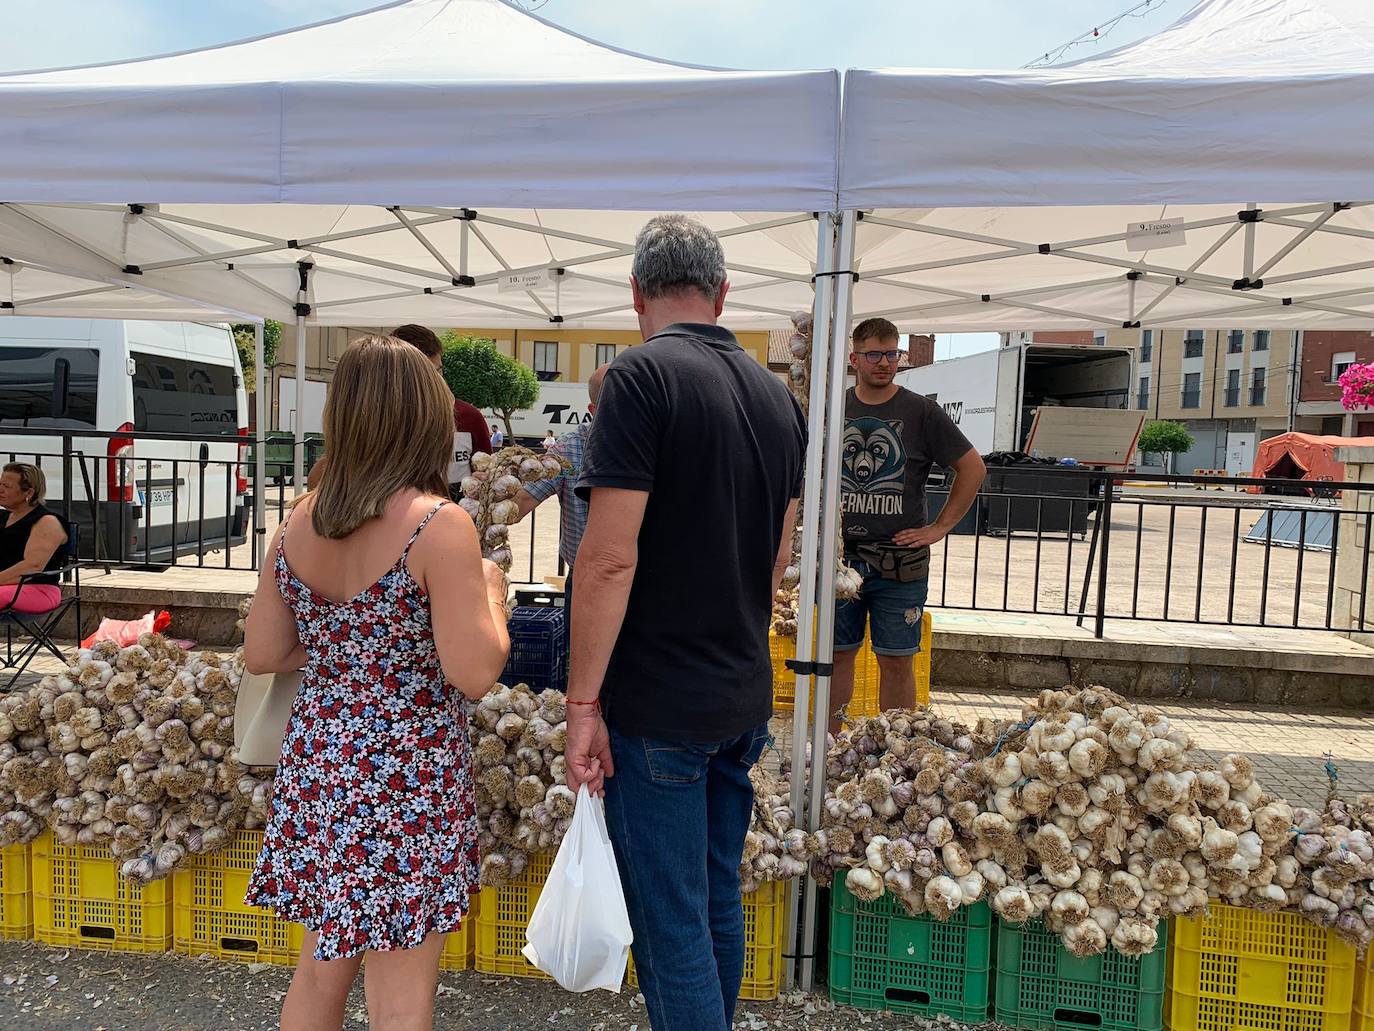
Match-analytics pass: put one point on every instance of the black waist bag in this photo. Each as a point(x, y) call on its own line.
point(892, 563)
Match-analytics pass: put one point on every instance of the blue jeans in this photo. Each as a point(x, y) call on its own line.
point(893, 608)
point(677, 815)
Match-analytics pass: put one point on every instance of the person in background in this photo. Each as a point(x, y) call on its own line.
point(469, 427)
point(31, 542)
point(692, 470)
point(379, 593)
point(548, 439)
point(572, 510)
point(498, 439)
point(892, 437)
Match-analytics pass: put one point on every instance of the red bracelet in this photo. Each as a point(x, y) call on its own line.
point(595, 701)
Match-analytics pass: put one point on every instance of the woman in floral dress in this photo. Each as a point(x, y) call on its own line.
point(379, 593)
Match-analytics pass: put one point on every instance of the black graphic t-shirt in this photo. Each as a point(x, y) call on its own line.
point(888, 451)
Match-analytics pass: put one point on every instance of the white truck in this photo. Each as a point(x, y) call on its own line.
point(135, 497)
point(561, 407)
point(1055, 400)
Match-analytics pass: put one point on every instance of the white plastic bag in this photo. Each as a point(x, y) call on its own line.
point(579, 932)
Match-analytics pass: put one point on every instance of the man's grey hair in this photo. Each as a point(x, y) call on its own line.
point(673, 253)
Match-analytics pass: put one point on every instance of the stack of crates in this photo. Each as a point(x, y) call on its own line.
point(764, 913)
point(16, 893)
point(1040, 984)
point(883, 959)
point(210, 917)
point(865, 701)
point(538, 648)
point(1240, 968)
point(81, 901)
point(1364, 994)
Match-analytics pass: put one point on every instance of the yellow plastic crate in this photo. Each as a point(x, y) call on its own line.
point(209, 915)
point(16, 893)
point(764, 911)
point(81, 901)
point(1364, 994)
point(1242, 969)
point(502, 916)
point(865, 701)
point(457, 954)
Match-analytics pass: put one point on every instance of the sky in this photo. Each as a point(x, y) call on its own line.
point(726, 33)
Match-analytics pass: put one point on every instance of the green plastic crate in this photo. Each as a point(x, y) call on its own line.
point(883, 959)
point(1040, 984)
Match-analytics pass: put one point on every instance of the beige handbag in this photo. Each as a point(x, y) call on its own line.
point(261, 712)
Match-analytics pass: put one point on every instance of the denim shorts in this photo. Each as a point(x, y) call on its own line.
point(893, 608)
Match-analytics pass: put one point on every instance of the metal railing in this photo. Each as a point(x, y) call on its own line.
point(1188, 549)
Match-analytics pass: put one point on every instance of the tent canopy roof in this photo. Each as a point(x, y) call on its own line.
point(441, 102)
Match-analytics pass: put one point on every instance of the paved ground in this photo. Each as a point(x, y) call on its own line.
point(43, 989)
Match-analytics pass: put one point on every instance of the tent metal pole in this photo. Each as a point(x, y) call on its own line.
point(259, 448)
point(298, 421)
point(830, 514)
point(811, 511)
point(1249, 271)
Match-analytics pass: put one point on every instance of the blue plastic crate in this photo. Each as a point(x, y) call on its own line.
point(538, 648)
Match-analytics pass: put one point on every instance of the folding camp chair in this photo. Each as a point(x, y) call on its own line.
point(41, 626)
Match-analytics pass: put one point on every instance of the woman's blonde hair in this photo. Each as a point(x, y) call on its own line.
point(30, 478)
point(388, 426)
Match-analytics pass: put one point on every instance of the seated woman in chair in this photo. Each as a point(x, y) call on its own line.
point(31, 542)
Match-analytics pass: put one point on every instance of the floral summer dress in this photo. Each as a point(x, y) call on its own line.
point(372, 840)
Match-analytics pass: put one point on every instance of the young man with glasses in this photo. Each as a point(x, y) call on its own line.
point(891, 439)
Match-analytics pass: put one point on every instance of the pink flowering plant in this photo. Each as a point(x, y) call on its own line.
point(1357, 387)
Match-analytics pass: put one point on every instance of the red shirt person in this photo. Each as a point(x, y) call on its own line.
point(469, 426)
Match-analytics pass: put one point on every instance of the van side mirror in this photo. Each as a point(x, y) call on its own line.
point(61, 384)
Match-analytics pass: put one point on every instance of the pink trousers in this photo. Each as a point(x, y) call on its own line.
point(31, 599)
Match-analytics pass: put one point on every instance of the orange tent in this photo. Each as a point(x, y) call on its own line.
point(1303, 456)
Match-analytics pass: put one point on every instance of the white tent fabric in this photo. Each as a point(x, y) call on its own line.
point(1006, 200)
point(1246, 99)
point(429, 102)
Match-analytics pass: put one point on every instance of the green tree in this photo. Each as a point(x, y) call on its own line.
point(481, 375)
point(1160, 437)
point(243, 340)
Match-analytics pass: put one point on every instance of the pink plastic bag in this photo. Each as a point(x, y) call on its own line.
point(125, 632)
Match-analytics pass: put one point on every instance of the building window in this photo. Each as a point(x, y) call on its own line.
point(546, 356)
point(1192, 390)
point(1340, 362)
point(1142, 400)
point(1232, 388)
point(1235, 341)
point(605, 354)
point(1099, 338)
point(1257, 383)
point(1147, 340)
point(1192, 344)
point(1261, 340)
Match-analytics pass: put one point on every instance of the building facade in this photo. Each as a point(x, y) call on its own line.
point(1325, 355)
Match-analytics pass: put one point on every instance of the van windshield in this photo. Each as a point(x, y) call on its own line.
point(30, 380)
point(172, 395)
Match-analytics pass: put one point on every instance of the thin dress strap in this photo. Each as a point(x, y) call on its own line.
point(423, 523)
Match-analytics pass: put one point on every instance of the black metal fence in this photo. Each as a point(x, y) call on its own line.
point(1187, 549)
point(161, 500)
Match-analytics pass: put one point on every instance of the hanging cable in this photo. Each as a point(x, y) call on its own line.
point(1096, 34)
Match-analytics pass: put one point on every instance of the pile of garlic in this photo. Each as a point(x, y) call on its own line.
point(130, 748)
point(1089, 813)
point(489, 494)
point(524, 805)
point(774, 850)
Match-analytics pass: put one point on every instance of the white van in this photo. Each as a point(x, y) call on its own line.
point(136, 500)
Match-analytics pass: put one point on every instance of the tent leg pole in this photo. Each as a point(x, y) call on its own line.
point(298, 422)
point(830, 513)
point(259, 448)
point(811, 497)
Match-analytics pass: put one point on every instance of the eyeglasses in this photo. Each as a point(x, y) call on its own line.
point(874, 357)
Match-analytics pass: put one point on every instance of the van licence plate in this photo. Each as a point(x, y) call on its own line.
point(161, 496)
